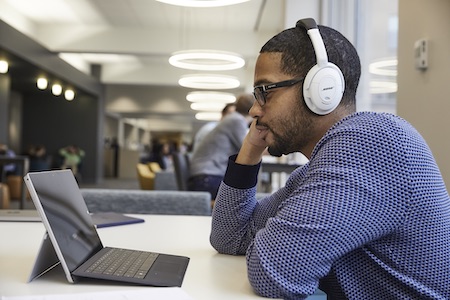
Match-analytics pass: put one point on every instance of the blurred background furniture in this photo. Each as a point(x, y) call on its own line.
point(154, 167)
point(273, 175)
point(145, 176)
point(17, 189)
point(147, 202)
point(4, 196)
point(152, 177)
point(165, 181)
point(181, 166)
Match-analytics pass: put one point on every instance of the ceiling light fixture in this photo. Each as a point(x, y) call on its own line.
point(4, 66)
point(69, 94)
point(207, 106)
point(206, 60)
point(56, 89)
point(202, 3)
point(208, 116)
point(42, 83)
point(207, 81)
point(386, 67)
point(210, 96)
point(383, 87)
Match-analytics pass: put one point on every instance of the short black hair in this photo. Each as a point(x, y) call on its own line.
point(298, 55)
point(244, 103)
point(227, 107)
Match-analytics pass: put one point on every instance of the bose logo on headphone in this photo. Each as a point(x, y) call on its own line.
point(324, 84)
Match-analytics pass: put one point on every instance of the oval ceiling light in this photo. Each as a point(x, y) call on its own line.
point(386, 67)
point(383, 87)
point(210, 96)
point(208, 116)
point(211, 82)
point(202, 3)
point(206, 60)
point(208, 106)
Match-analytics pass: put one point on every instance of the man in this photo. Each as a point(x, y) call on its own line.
point(8, 169)
point(72, 156)
point(209, 159)
point(368, 217)
point(208, 127)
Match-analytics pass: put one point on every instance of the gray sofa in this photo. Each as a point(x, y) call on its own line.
point(147, 201)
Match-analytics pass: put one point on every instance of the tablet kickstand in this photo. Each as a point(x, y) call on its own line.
point(45, 260)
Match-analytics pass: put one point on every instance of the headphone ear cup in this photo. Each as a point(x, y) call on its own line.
point(323, 88)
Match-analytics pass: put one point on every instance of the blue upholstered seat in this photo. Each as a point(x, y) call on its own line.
point(147, 202)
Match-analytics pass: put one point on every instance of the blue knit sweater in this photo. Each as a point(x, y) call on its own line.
point(367, 218)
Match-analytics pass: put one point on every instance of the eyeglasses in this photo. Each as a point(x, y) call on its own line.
point(260, 91)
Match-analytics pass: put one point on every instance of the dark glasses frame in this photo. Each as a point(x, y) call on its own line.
point(260, 91)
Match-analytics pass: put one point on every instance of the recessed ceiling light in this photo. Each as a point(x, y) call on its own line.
point(56, 89)
point(42, 83)
point(202, 3)
point(207, 81)
point(4, 66)
point(210, 96)
point(206, 60)
point(69, 94)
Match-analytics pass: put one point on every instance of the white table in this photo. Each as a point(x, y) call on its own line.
point(209, 275)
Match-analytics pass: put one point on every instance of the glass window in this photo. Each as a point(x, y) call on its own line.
point(372, 26)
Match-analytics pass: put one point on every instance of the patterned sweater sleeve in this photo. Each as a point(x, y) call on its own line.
point(231, 231)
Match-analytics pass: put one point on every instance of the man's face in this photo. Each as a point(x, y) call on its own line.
point(289, 127)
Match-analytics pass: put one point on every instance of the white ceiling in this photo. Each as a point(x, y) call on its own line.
point(140, 35)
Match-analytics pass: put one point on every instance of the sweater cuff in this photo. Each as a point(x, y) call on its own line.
point(241, 176)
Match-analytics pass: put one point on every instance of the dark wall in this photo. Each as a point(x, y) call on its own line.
point(56, 123)
point(5, 84)
point(47, 119)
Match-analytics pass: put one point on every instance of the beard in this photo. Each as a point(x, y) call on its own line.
point(290, 134)
point(279, 147)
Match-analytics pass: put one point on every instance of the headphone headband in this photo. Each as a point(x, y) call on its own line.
point(319, 47)
point(307, 24)
point(324, 83)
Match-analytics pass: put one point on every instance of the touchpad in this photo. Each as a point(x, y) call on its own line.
point(168, 269)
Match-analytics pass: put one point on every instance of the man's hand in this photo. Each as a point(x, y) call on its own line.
point(253, 146)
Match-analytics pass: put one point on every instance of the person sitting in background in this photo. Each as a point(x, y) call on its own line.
point(208, 127)
point(8, 169)
point(38, 158)
point(72, 157)
point(166, 157)
point(162, 154)
point(209, 160)
point(368, 217)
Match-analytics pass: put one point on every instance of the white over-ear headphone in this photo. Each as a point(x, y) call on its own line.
point(324, 84)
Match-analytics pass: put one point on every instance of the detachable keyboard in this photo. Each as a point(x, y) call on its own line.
point(124, 263)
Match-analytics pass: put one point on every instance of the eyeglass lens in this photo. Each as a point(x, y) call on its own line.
point(259, 96)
